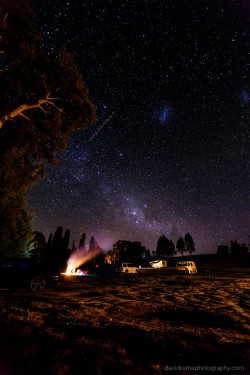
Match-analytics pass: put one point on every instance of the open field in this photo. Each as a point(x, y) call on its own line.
point(128, 324)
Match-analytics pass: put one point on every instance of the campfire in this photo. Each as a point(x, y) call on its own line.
point(77, 259)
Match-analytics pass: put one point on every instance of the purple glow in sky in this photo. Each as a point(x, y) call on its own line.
point(138, 179)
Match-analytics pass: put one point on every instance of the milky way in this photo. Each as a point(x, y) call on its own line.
point(174, 157)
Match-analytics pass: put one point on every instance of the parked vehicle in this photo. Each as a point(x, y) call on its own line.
point(23, 272)
point(186, 267)
point(158, 263)
point(128, 268)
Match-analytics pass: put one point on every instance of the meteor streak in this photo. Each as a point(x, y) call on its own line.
point(103, 124)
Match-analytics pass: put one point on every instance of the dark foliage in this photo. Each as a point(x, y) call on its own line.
point(189, 243)
point(42, 101)
point(128, 251)
point(57, 251)
point(81, 246)
point(236, 249)
point(180, 246)
point(165, 247)
point(222, 250)
point(38, 245)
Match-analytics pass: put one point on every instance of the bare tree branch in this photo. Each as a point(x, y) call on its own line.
point(5, 19)
point(25, 107)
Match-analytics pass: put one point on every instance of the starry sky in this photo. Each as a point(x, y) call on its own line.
point(170, 151)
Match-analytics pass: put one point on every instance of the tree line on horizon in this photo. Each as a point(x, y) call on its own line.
point(235, 248)
point(56, 251)
point(134, 251)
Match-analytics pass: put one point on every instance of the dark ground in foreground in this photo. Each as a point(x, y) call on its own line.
point(128, 324)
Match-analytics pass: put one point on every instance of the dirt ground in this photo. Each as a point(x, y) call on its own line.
point(155, 323)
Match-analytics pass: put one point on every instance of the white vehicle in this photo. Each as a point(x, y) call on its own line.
point(128, 268)
point(158, 263)
point(186, 267)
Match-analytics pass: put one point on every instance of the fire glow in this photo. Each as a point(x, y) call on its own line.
point(77, 259)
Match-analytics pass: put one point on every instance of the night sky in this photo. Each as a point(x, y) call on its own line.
point(170, 151)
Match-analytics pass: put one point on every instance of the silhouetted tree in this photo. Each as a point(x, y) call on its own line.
point(161, 246)
point(165, 247)
point(147, 255)
point(81, 246)
point(114, 255)
point(38, 243)
point(57, 251)
point(15, 231)
point(95, 249)
point(43, 100)
point(135, 251)
point(180, 246)
point(234, 247)
point(93, 245)
point(222, 250)
point(128, 251)
point(189, 243)
point(66, 238)
point(243, 248)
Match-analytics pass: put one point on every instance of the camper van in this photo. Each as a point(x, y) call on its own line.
point(158, 263)
point(186, 267)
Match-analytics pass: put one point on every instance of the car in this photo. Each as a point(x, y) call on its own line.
point(186, 267)
point(24, 272)
point(128, 268)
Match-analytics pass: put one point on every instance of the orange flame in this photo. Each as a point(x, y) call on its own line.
point(78, 258)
